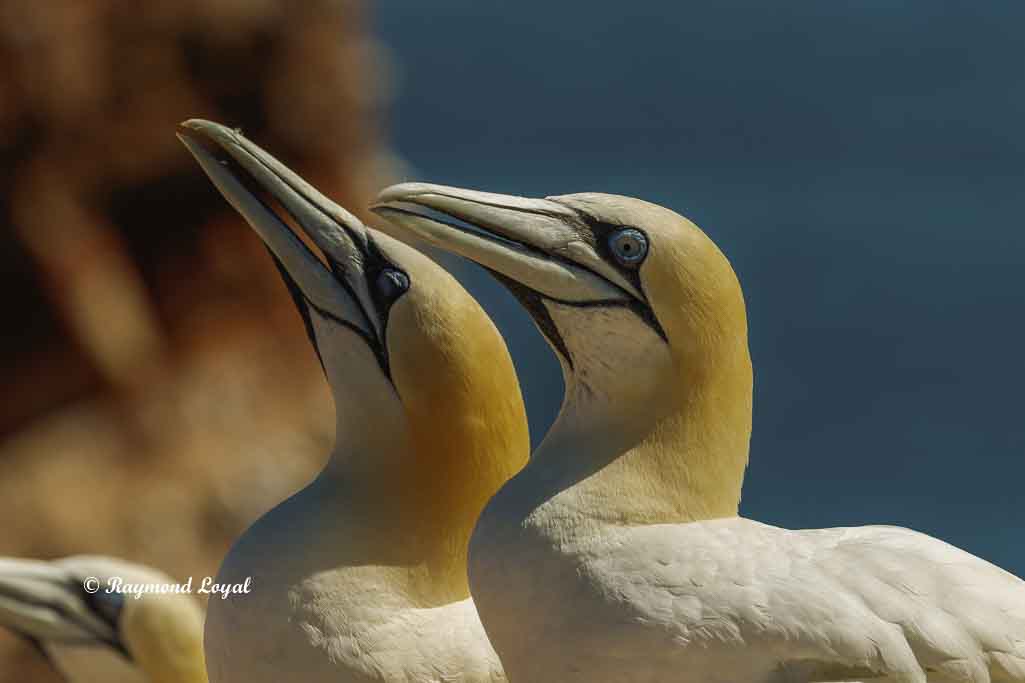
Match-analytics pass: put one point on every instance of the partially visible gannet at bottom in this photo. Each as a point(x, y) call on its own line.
point(618, 554)
point(75, 612)
point(361, 576)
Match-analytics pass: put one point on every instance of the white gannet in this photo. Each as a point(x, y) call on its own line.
point(361, 576)
point(104, 636)
point(618, 554)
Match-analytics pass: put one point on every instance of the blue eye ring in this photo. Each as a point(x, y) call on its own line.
point(629, 246)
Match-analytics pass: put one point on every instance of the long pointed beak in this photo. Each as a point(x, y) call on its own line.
point(537, 242)
point(243, 172)
point(42, 602)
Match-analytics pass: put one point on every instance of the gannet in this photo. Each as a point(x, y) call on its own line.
point(93, 630)
point(618, 554)
point(361, 576)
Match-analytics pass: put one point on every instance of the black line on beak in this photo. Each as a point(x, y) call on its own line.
point(534, 303)
point(279, 209)
point(300, 303)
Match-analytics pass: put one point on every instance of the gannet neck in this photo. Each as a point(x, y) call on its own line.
point(371, 431)
point(428, 446)
point(654, 435)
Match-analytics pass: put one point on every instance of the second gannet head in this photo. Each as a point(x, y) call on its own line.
point(99, 618)
point(430, 419)
point(648, 320)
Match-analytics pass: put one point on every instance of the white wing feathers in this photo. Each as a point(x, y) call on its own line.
point(751, 602)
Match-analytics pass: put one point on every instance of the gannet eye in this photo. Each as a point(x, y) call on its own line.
point(629, 246)
point(391, 284)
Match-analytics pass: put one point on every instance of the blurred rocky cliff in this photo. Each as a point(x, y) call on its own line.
point(159, 391)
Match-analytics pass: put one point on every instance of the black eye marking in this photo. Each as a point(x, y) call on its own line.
point(628, 246)
point(108, 607)
point(299, 299)
point(391, 284)
point(305, 306)
point(604, 237)
point(624, 247)
point(386, 281)
point(532, 302)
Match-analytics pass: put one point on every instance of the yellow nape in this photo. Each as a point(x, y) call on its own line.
point(696, 296)
point(465, 415)
point(164, 634)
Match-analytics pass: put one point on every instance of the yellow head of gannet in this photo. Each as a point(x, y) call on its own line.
point(362, 575)
point(616, 555)
point(102, 619)
point(647, 318)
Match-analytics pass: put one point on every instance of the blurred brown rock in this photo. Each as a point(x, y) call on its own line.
point(160, 393)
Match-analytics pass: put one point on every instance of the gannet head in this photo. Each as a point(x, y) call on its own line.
point(644, 312)
point(428, 402)
point(51, 603)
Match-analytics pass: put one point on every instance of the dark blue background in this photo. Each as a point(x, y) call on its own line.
point(862, 165)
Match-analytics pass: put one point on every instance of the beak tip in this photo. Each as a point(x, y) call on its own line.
point(191, 126)
point(200, 129)
point(403, 192)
